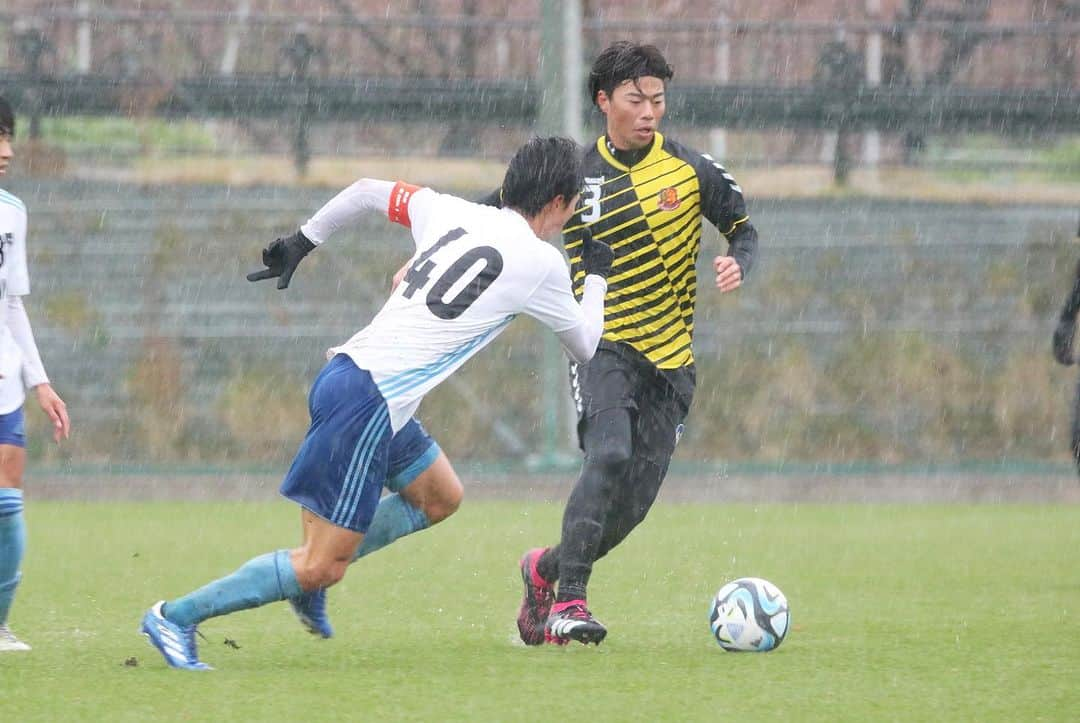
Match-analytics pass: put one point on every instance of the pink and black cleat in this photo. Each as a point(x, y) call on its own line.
point(537, 601)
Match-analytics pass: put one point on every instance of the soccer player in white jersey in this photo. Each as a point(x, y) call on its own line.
point(474, 269)
point(20, 369)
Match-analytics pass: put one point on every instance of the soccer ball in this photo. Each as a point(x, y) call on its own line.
point(749, 614)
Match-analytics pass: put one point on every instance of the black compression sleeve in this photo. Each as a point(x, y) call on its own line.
point(742, 246)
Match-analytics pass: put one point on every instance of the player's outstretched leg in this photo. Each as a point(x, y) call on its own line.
point(170, 626)
point(572, 621)
point(537, 600)
point(176, 643)
point(426, 491)
point(310, 609)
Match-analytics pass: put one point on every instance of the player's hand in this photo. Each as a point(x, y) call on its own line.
point(55, 409)
point(1063, 341)
point(728, 273)
point(596, 256)
point(281, 259)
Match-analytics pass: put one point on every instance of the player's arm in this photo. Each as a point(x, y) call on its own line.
point(742, 250)
point(578, 326)
point(345, 209)
point(1066, 326)
point(581, 340)
point(723, 204)
point(33, 370)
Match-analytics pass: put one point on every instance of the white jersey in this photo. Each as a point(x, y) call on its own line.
point(14, 281)
point(475, 268)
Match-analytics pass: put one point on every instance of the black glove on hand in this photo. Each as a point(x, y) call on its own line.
point(1063, 341)
point(281, 259)
point(596, 256)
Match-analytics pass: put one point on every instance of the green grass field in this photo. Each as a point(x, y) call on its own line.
point(899, 613)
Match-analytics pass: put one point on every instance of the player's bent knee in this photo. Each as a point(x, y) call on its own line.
point(313, 572)
point(321, 574)
point(334, 573)
point(12, 465)
point(437, 491)
point(446, 502)
point(612, 457)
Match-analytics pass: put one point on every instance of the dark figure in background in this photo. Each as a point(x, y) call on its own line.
point(1063, 352)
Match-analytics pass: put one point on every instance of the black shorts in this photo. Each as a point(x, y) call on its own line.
point(620, 377)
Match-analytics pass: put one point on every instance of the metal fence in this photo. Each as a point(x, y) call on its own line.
point(909, 77)
point(871, 331)
point(719, 48)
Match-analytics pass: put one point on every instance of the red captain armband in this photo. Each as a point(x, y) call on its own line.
point(399, 203)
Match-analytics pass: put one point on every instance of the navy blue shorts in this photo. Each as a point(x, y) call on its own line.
point(350, 453)
point(13, 428)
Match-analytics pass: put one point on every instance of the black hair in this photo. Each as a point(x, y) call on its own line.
point(622, 61)
point(542, 169)
point(7, 118)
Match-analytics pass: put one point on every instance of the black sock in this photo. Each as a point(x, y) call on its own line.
point(566, 596)
point(580, 540)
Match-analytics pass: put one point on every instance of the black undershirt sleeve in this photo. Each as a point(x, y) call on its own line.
point(742, 246)
point(723, 204)
point(492, 199)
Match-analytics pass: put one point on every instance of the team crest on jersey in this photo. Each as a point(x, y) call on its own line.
point(668, 199)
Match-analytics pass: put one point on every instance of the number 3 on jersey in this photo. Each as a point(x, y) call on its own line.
point(590, 199)
point(419, 274)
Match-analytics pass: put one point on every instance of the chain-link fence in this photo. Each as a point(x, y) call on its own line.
point(896, 332)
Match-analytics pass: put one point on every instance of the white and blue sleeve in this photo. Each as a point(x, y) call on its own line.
point(579, 326)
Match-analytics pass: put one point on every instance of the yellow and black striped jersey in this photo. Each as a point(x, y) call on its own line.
point(650, 214)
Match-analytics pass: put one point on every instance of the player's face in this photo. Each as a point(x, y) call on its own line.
point(633, 111)
point(558, 212)
point(6, 153)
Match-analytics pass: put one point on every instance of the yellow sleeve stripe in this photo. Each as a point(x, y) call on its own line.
point(731, 230)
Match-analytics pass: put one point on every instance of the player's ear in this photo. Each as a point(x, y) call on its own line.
point(603, 102)
point(566, 203)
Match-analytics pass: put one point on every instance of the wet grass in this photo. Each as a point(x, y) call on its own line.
point(899, 613)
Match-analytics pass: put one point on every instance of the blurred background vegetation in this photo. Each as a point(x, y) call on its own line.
point(925, 342)
point(913, 167)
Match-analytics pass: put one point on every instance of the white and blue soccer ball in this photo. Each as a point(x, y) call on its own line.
point(749, 614)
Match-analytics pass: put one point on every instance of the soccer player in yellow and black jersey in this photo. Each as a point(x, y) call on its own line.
point(644, 195)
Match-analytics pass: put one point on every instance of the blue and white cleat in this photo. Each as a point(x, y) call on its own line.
point(176, 643)
point(9, 643)
point(310, 609)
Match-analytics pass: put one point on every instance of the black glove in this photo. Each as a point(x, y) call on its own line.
point(596, 256)
point(281, 259)
point(1063, 341)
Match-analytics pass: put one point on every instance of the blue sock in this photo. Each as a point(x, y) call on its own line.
point(394, 518)
point(12, 545)
point(261, 580)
